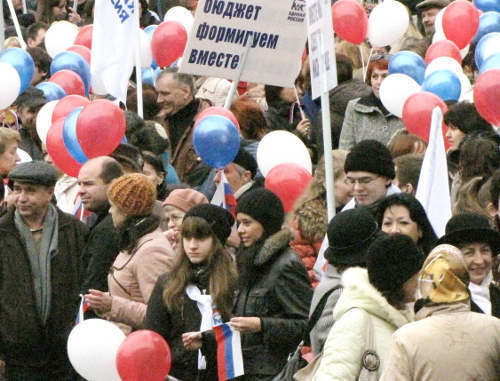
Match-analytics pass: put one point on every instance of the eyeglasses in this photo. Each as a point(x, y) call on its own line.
point(361, 181)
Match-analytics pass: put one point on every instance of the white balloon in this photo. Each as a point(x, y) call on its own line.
point(387, 23)
point(466, 86)
point(444, 63)
point(467, 97)
point(395, 90)
point(23, 156)
point(44, 120)
point(10, 85)
point(464, 51)
point(92, 348)
point(181, 15)
point(145, 49)
point(492, 46)
point(278, 147)
point(438, 36)
point(59, 37)
point(438, 22)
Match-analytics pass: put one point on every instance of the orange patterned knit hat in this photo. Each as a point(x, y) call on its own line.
point(134, 194)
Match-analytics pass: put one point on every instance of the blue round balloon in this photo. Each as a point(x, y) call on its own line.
point(409, 63)
point(487, 5)
point(492, 62)
point(488, 40)
point(488, 22)
point(22, 62)
point(150, 29)
point(216, 140)
point(70, 138)
point(52, 91)
point(149, 75)
point(75, 62)
point(444, 83)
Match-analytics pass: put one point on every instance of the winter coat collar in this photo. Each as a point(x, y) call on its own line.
point(359, 293)
point(438, 309)
point(370, 103)
point(273, 245)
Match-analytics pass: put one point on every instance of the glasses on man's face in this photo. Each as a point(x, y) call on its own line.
point(361, 181)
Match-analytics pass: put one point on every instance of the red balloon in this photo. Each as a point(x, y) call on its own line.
point(58, 152)
point(82, 51)
point(67, 104)
point(84, 36)
point(487, 96)
point(417, 114)
point(221, 111)
point(69, 81)
point(460, 22)
point(287, 181)
point(168, 42)
point(443, 48)
point(100, 128)
point(144, 355)
point(350, 21)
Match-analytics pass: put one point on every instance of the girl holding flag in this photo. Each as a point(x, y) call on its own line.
point(197, 294)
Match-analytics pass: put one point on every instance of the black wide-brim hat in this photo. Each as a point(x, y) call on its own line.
point(469, 228)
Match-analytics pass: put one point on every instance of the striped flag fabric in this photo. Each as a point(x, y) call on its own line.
point(81, 310)
point(229, 355)
point(224, 196)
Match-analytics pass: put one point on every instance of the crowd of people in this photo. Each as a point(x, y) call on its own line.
point(136, 235)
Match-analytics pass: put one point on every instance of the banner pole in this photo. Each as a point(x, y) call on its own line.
point(138, 71)
point(16, 24)
point(2, 28)
point(236, 81)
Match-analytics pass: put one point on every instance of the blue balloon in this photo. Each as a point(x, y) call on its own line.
point(216, 140)
point(75, 62)
point(488, 40)
point(492, 62)
point(22, 62)
point(487, 5)
point(444, 83)
point(488, 22)
point(149, 75)
point(409, 63)
point(51, 90)
point(150, 29)
point(70, 138)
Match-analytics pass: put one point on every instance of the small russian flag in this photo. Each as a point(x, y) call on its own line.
point(229, 355)
point(80, 315)
point(223, 196)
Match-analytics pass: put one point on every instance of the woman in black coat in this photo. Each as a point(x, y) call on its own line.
point(272, 304)
point(205, 275)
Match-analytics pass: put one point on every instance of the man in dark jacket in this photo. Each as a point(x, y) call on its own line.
point(93, 182)
point(40, 275)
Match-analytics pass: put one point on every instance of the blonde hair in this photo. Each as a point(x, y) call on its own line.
point(7, 137)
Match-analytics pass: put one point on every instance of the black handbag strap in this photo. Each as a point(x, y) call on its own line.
point(318, 311)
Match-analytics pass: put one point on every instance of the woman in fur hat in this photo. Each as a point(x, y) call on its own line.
point(272, 304)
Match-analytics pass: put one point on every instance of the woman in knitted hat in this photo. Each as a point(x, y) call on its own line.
point(196, 294)
point(144, 255)
point(376, 297)
point(447, 341)
point(272, 304)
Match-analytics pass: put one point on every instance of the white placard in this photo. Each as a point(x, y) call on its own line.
point(222, 30)
point(321, 46)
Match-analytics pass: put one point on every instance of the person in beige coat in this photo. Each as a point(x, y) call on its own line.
point(448, 341)
point(145, 253)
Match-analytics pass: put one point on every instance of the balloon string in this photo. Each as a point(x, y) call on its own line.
point(367, 64)
point(362, 59)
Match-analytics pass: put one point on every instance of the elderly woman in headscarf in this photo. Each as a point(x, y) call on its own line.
point(448, 341)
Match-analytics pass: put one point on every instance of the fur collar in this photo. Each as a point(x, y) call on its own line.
point(272, 246)
point(358, 292)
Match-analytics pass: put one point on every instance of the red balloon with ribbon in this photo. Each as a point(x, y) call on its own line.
point(84, 36)
point(487, 96)
point(70, 82)
point(417, 114)
point(460, 22)
point(67, 104)
point(144, 355)
point(287, 181)
point(58, 152)
point(350, 21)
point(82, 51)
point(168, 42)
point(443, 48)
point(221, 111)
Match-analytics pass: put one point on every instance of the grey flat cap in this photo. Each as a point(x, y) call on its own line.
point(34, 172)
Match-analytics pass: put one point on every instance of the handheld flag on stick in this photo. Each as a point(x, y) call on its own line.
point(229, 355)
point(80, 315)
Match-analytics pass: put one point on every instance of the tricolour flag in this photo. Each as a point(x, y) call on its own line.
point(433, 190)
point(224, 196)
point(229, 355)
point(80, 315)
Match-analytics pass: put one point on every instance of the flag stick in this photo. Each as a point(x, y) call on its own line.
point(16, 24)
point(236, 81)
point(138, 72)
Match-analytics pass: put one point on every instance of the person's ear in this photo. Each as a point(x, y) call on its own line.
point(491, 210)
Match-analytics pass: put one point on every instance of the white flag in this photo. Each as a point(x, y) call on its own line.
point(433, 189)
point(113, 39)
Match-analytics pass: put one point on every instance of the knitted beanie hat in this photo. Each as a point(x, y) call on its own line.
point(219, 219)
point(185, 199)
point(134, 194)
point(370, 156)
point(246, 160)
point(263, 206)
point(392, 260)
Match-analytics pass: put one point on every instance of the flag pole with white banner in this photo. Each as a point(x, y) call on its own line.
point(2, 28)
point(138, 66)
point(323, 78)
point(433, 190)
point(16, 24)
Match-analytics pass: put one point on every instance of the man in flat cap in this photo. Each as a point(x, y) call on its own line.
point(427, 12)
point(40, 274)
